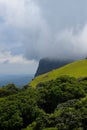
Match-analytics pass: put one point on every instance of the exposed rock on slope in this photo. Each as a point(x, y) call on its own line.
point(46, 65)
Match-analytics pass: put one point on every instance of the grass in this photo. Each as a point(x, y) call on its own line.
point(76, 69)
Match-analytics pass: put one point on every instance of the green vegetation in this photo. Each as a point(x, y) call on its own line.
point(76, 69)
point(60, 104)
point(57, 103)
point(9, 89)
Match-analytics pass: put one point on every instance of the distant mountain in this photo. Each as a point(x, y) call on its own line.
point(77, 69)
point(18, 80)
point(46, 65)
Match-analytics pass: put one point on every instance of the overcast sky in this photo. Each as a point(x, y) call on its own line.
point(34, 29)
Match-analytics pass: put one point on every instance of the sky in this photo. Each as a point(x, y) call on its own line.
point(34, 29)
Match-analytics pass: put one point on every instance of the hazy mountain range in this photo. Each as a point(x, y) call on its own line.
point(18, 80)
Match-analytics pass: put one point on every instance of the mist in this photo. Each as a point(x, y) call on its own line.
point(67, 44)
point(40, 34)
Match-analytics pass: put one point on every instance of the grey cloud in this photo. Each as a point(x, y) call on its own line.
point(65, 44)
point(47, 28)
point(6, 62)
point(65, 34)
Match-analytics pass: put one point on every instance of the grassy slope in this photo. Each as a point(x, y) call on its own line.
point(76, 69)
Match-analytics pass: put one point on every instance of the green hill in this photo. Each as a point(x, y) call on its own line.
point(60, 104)
point(76, 69)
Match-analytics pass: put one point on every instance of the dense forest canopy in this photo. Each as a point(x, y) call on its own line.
point(60, 104)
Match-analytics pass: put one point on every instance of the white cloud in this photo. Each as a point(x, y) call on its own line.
point(21, 13)
point(14, 59)
point(16, 64)
point(25, 23)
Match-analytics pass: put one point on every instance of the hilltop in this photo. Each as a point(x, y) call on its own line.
point(76, 69)
point(48, 64)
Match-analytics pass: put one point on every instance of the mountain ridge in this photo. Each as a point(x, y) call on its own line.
point(75, 69)
point(48, 64)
